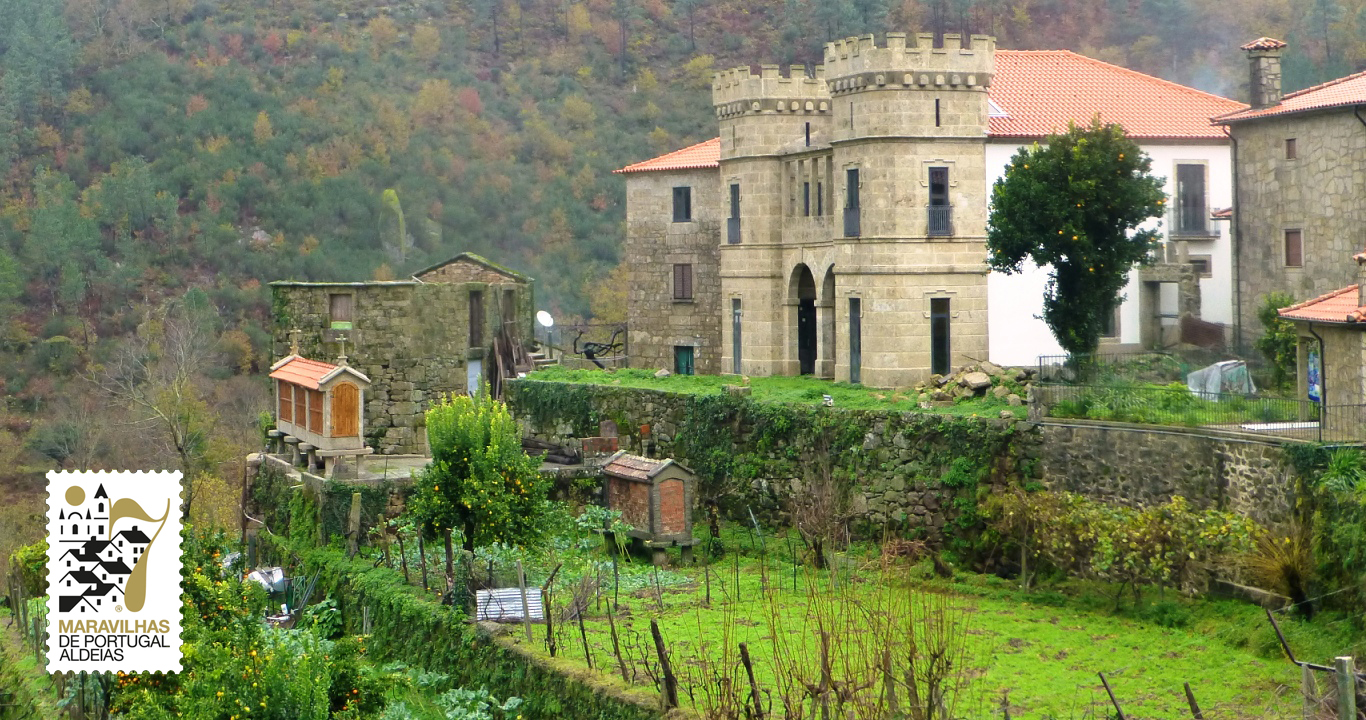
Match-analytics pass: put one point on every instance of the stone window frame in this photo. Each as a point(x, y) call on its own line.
point(1292, 150)
point(1299, 250)
point(685, 196)
point(1174, 207)
point(341, 324)
point(684, 282)
point(1208, 260)
point(1116, 331)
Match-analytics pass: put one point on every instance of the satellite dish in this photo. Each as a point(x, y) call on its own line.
point(544, 319)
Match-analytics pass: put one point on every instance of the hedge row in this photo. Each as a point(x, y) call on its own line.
point(411, 628)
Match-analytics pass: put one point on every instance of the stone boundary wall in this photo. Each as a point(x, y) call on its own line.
point(1134, 465)
point(1139, 465)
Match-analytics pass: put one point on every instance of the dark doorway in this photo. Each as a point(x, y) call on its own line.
point(939, 336)
point(855, 340)
point(806, 319)
point(735, 335)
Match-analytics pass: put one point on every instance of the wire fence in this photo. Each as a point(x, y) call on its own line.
point(1284, 418)
point(1145, 365)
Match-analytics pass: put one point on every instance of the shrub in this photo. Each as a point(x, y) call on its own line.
point(1278, 339)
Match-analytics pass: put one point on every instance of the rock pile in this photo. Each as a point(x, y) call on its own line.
point(984, 378)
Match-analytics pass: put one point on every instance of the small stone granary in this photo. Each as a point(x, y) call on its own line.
point(320, 410)
point(656, 498)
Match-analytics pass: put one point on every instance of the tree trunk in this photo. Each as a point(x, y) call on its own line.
point(450, 556)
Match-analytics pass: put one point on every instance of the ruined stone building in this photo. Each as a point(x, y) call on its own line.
point(1301, 182)
point(415, 340)
point(837, 226)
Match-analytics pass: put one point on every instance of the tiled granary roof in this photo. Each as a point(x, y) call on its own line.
point(1339, 306)
point(1038, 91)
point(301, 371)
point(1350, 90)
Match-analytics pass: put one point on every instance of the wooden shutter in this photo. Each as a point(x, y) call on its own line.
point(345, 410)
point(315, 411)
point(682, 281)
point(300, 406)
point(476, 318)
point(286, 399)
point(1294, 249)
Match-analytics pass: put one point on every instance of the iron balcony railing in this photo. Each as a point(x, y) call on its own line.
point(1190, 221)
point(940, 220)
point(733, 230)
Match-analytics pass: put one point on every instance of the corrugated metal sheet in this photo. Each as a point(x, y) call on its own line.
point(505, 604)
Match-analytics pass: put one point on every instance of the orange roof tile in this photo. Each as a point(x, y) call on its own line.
point(301, 371)
point(1041, 90)
point(1350, 90)
point(706, 154)
point(1339, 306)
point(1264, 43)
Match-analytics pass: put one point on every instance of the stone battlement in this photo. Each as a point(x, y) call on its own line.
point(740, 90)
point(857, 62)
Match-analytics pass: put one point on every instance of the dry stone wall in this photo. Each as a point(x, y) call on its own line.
point(903, 471)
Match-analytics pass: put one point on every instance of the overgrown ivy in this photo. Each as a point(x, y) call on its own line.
point(746, 452)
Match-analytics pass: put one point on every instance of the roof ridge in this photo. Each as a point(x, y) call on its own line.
point(1322, 85)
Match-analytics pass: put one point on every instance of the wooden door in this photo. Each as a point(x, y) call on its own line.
point(345, 410)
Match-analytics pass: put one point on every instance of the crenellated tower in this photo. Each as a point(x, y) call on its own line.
point(855, 205)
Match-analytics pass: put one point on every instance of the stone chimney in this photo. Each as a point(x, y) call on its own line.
point(1361, 278)
point(1264, 62)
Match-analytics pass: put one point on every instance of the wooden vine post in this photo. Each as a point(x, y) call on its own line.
point(670, 682)
point(616, 647)
point(1345, 670)
point(753, 686)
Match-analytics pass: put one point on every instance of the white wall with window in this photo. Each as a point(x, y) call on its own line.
point(1016, 333)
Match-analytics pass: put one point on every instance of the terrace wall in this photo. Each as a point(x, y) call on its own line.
point(901, 473)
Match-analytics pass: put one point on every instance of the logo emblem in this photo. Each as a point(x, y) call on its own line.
point(113, 567)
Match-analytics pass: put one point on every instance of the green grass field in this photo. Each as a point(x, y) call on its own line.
point(1043, 648)
point(781, 389)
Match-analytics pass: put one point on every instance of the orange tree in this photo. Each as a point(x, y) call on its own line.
point(1073, 205)
point(480, 482)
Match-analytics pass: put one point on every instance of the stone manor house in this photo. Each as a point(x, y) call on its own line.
point(414, 340)
point(837, 226)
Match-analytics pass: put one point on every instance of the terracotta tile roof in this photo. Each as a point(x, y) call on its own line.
point(1041, 90)
point(633, 467)
point(1038, 91)
point(301, 371)
point(706, 154)
point(1222, 214)
point(1264, 43)
point(1350, 90)
point(1339, 306)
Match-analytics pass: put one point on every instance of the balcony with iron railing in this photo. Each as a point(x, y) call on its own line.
point(939, 220)
point(1190, 221)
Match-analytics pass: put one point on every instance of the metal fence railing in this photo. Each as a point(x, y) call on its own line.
point(1284, 418)
point(1145, 365)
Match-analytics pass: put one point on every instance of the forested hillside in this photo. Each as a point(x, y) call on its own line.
point(151, 147)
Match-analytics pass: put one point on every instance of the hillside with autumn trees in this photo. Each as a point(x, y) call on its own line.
point(161, 160)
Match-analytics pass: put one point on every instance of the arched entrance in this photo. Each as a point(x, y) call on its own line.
point(825, 314)
point(803, 290)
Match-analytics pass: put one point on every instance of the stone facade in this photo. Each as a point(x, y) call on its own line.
point(1321, 192)
point(1299, 171)
point(411, 338)
point(798, 250)
point(657, 320)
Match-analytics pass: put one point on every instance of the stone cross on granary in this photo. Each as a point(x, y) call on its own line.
point(294, 336)
point(341, 353)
